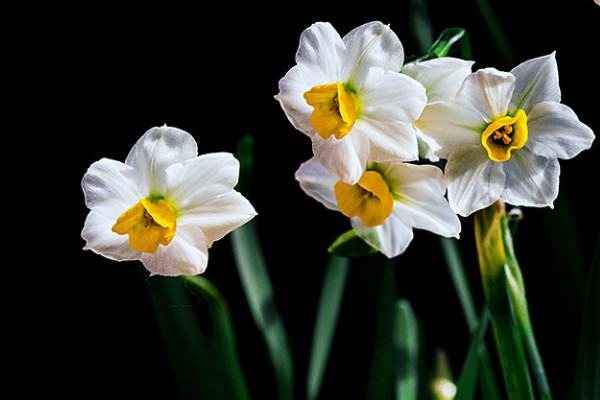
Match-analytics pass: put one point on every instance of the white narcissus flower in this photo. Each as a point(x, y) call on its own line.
point(442, 77)
point(503, 134)
point(387, 202)
point(348, 96)
point(165, 205)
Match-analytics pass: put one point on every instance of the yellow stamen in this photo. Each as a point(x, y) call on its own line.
point(335, 109)
point(148, 224)
point(370, 199)
point(504, 135)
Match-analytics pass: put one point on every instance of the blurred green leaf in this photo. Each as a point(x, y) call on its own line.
point(467, 381)
point(496, 28)
point(254, 276)
point(330, 300)
point(257, 287)
point(406, 350)
point(456, 268)
point(349, 244)
point(197, 362)
point(224, 333)
point(419, 24)
point(381, 373)
point(587, 377)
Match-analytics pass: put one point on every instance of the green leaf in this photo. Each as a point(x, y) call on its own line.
point(467, 381)
point(349, 244)
point(224, 333)
point(449, 41)
point(419, 24)
point(330, 300)
point(587, 377)
point(256, 283)
point(456, 269)
point(195, 351)
point(406, 350)
point(381, 373)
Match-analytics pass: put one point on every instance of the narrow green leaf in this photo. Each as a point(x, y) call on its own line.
point(406, 350)
point(330, 301)
point(456, 268)
point(496, 28)
point(449, 40)
point(256, 283)
point(196, 370)
point(349, 244)
point(381, 373)
point(224, 333)
point(257, 287)
point(587, 377)
point(467, 381)
point(419, 24)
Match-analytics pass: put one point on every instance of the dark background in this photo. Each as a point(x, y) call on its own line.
point(90, 80)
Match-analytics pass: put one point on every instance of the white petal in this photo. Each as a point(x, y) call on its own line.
point(555, 131)
point(442, 77)
point(318, 182)
point(391, 96)
point(371, 45)
point(292, 87)
point(346, 157)
point(421, 190)
point(474, 181)
point(111, 187)
point(202, 190)
point(321, 49)
point(391, 238)
point(155, 151)
point(187, 254)
point(99, 237)
point(218, 216)
point(530, 180)
point(451, 124)
point(389, 140)
point(194, 181)
point(536, 81)
point(488, 91)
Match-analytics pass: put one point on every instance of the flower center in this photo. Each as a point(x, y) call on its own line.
point(370, 199)
point(335, 109)
point(504, 135)
point(149, 222)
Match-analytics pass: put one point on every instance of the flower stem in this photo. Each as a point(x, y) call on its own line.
point(490, 232)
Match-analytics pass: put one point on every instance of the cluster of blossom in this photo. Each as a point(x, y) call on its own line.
point(369, 116)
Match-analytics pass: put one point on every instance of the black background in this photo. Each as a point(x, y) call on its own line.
point(86, 82)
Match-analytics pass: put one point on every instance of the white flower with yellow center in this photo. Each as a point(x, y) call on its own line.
point(387, 202)
point(503, 134)
point(165, 205)
point(348, 96)
point(442, 77)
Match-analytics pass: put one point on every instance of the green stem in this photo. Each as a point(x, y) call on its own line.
point(490, 232)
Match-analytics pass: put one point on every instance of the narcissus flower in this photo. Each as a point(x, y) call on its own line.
point(503, 134)
point(387, 202)
point(442, 77)
point(165, 205)
point(348, 96)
